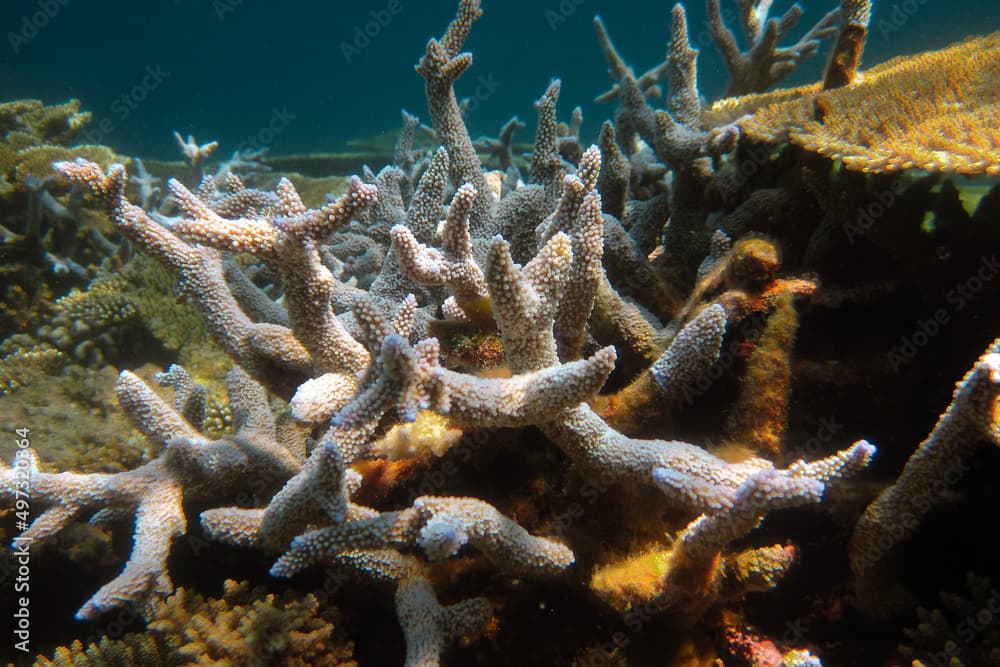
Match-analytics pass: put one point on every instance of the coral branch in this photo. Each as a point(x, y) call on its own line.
point(441, 66)
point(845, 59)
point(970, 419)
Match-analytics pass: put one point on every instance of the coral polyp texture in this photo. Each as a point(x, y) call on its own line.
point(613, 385)
point(938, 112)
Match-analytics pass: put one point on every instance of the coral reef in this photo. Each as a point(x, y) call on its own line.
point(591, 389)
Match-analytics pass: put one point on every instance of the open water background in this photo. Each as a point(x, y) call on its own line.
point(233, 69)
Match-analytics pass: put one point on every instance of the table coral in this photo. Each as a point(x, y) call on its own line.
point(937, 111)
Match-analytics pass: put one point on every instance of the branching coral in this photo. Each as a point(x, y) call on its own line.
point(132, 649)
point(534, 263)
point(191, 467)
point(696, 150)
point(896, 513)
point(531, 305)
point(764, 63)
point(441, 67)
point(250, 627)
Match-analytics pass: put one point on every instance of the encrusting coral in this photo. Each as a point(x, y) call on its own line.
point(758, 419)
point(331, 311)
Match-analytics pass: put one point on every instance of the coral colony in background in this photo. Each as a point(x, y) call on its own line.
point(460, 386)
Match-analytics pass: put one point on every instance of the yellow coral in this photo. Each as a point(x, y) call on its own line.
point(250, 627)
point(634, 580)
point(760, 569)
point(141, 290)
point(430, 432)
point(8, 160)
point(35, 135)
point(18, 140)
point(938, 111)
point(132, 649)
point(21, 366)
point(661, 576)
point(37, 160)
point(244, 627)
point(51, 124)
point(731, 109)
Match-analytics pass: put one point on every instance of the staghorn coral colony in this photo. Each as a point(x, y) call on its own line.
point(604, 405)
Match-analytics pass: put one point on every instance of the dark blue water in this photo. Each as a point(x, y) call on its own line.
point(304, 77)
